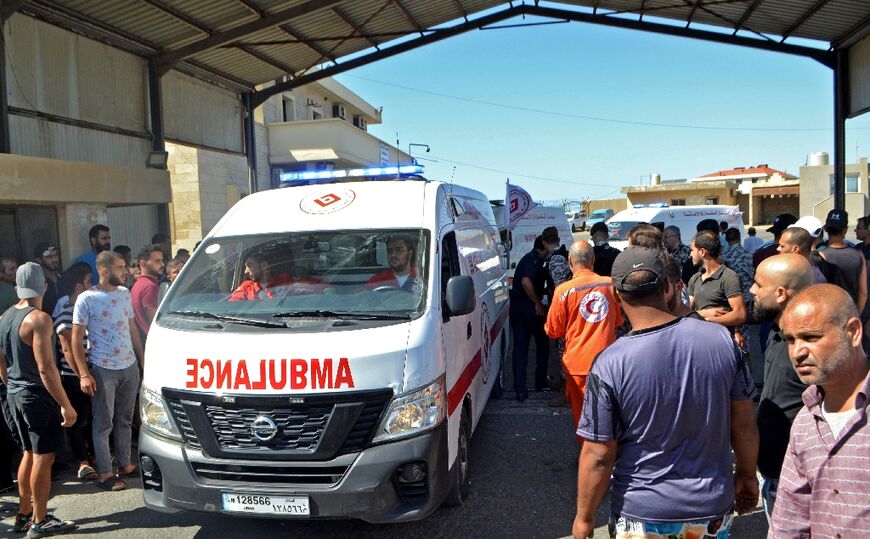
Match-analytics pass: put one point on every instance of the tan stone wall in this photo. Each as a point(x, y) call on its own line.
point(692, 197)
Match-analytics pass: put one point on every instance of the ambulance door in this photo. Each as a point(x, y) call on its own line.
point(458, 333)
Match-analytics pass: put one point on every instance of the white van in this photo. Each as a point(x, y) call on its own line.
point(684, 217)
point(522, 238)
point(335, 392)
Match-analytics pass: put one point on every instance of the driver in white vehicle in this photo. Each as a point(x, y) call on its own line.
point(401, 253)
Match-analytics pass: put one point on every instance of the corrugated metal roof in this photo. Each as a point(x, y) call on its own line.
point(333, 30)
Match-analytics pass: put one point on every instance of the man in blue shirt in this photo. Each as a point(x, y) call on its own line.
point(663, 404)
point(528, 313)
point(100, 241)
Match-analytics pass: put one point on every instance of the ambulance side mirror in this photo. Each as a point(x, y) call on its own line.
point(461, 298)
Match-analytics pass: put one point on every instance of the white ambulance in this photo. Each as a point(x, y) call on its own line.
point(327, 353)
point(522, 238)
point(686, 218)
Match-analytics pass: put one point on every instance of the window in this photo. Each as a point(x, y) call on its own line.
point(852, 185)
point(268, 278)
point(449, 268)
point(288, 109)
point(711, 201)
point(316, 115)
point(678, 202)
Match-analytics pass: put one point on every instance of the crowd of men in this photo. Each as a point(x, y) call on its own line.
point(653, 349)
point(71, 357)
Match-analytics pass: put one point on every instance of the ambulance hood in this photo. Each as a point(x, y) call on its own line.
point(277, 362)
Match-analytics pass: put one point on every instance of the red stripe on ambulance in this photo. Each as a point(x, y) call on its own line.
point(276, 374)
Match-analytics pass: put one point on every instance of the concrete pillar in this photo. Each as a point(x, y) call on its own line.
point(73, 223)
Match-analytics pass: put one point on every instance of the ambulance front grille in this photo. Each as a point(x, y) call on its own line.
point(183, 424)
point(321, 427)
point(298, 428)
point(309, 475)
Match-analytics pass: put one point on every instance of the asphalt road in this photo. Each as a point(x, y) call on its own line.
point(523, 469)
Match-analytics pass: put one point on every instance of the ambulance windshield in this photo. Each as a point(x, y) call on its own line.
point(263, 279)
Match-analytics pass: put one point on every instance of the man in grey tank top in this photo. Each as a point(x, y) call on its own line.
point(38, 403)
point(851, 269)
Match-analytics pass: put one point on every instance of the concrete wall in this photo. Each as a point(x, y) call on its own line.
point(859, 78)
point(201, 114)
point(615, 204)
point(815, 195)
point(56, 72)
point(691, 196)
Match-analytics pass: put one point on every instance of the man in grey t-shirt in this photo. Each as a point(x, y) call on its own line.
point(851, 272)
point(662, 422)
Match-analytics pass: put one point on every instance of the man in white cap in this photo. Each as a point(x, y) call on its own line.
point(37, 401)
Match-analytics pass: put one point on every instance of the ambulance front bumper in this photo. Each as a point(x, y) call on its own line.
point(371, 485)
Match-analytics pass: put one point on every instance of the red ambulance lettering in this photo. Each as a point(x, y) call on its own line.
point(274, 374)
point(298, 370)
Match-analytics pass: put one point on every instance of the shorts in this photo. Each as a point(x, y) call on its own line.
point(624, 528)
point(37, 419)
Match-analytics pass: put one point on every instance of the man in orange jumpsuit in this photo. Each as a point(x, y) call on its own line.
point(584, 313)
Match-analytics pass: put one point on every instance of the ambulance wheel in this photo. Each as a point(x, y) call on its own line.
point(461, 480)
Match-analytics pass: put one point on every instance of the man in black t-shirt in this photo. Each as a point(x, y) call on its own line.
point(604, 253)
point(777, 280)
point(528, 313)
point(38, 403)
point(851, 274)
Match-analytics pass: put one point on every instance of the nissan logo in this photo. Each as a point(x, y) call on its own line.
point(264, 428)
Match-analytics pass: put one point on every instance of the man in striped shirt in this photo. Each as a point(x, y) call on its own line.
point(826, 474)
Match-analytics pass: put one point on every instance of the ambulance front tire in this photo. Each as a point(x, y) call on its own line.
point(460, 479)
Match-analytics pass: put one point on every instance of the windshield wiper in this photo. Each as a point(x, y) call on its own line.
point(227, 318)
point(321, 313)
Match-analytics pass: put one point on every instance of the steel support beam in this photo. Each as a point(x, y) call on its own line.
point(250, 140)
point(4, 100)
point(258, 98)
point(804, 18)
point(825, 57)
point(9, 7)
point(155, 108)
point(746, 14)
point(841, 96)
point(166, 61)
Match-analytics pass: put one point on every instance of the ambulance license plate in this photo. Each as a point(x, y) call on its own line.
point(232, 502)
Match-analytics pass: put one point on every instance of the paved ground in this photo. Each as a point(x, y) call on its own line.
point(523, 467)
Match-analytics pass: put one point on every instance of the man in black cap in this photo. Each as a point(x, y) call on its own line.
point(782, 221)
point(668, 471)
point(38, 403)
point(851, 274)
point(47, 255)
point(604, 253)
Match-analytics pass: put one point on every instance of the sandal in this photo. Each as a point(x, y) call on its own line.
point(87, 473)
point(113, 483)
point(133, 471)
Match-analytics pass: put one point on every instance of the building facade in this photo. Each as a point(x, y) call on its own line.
point(817, 188)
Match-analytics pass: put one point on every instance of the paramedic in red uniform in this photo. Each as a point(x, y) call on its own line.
point(402, 273)
point(262, 281)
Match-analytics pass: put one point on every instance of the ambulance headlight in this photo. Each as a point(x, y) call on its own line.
point(154, 415)
point(414, 412)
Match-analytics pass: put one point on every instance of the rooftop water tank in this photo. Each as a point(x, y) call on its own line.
point(655, 179)
point(818, 159)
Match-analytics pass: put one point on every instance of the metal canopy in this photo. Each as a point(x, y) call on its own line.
point(244, 43)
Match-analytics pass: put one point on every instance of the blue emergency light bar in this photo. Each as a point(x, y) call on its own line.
point(324, 176)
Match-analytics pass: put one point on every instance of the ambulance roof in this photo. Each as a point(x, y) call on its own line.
point(649, 214)
point(336, 206)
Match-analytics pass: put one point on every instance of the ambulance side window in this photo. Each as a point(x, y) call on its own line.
point(449, 268)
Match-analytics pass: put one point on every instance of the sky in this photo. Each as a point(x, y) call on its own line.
point(563, 110)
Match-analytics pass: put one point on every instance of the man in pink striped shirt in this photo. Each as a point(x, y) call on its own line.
point(826, 474)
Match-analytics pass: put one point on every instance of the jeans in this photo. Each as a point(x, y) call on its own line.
point(526, 325)
point(768, 495)
point(113, 405)
point(79, 434)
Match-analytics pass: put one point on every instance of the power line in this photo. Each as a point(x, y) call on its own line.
point(508, 173)
point(599, 118)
